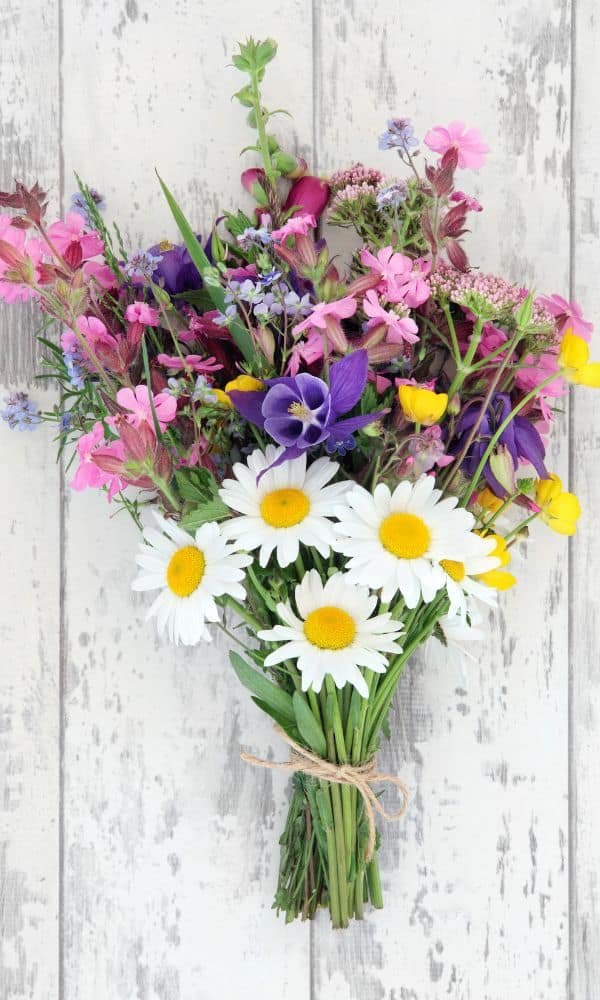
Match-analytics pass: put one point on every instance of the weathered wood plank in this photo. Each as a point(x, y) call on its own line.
point(170, 841)
point(476, 878)
point(30, 553)
point(585, 554)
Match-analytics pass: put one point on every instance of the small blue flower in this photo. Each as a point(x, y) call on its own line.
point(267, 279)
point(392, 196)
point(341, 447)
point(142, 264)
point(249, 292)
point(202, 391)
point(65, 421)
point(72, 360)
point(254, 237)
point(399, 135)
point(296, 306)
point(79, 205)
point(20, 412)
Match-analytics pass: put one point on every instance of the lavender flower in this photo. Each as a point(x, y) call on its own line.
point(20, 412)
point(392, 196)
point(399, 135)
point(268, 279)
point(65, 421)
point(73, 363)
point(142, 264)
point(269, 306)
point(254, 237)
point(202, 392)
point(79, 204)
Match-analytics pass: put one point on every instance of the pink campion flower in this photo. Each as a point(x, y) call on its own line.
point(72, 242)
point(141, 312)
point(20, 258)
point(309, 351)
point(400, 329)
point(567, 314)
point(539, 369)
point(96, 334)
point(402, 279)
point(491, 338)
point(88, 474)
point(298, 225)
point(191, 363)
point(101, 273)
point(137, 401)
point(426, 450)
point(387, 264)
point(326, 316)
point(467, 142)
point(467, 200)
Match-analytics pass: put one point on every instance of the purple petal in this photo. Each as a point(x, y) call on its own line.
point(286, 456)
point(278, 400)
point(347, 380)
point(284, 430)
point(249, 404)
point(313, 390)
point(530, 446)
point(345, 427)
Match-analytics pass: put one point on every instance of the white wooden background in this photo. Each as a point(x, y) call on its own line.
point(138, 855)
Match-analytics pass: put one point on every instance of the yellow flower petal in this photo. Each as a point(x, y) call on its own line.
point(547, 489)
point(222, 398)
point(574, 351)
point(245, 383)
point(588, 375)
point(422, 406)
point(499, 579)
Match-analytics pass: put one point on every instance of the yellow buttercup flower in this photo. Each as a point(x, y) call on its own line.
point(488, 500)
point(422, 406)
point(574, 360)
point(499, 578)
point(560, 510)
point(243, 383)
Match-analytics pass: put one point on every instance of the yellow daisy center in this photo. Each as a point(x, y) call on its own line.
point(185, 570)
point(284, 508)
point(405, 535)
point(455, 570)
point(330, 628)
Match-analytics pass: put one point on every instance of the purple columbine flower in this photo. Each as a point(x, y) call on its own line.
point(302, 411)
point(175, 269)
point(520, 440)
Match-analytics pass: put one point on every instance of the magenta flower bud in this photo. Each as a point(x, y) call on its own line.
point(310, 196)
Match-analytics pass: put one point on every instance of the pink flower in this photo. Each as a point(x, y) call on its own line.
point(539, 369)
point(21, 256)
point(402, 279)
point(137, 401)
point(96, 334)
point(567, 314)
point(326, 316)
point(467, 200)
point(141, 312)
point(191, 363)
point(72, 242)
point(100, 273)
point(467, 141)
point(298, 225)
point(309, 351)
point(88, 474)
point(400, 329)
point(491, 338)
point(309, 194)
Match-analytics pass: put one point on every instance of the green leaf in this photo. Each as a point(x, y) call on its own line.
point(245, 96)
point(209, 274)
point(214, 510)
point(280, 719)
point(309, 728)
point(264, 689)
point(196, 485)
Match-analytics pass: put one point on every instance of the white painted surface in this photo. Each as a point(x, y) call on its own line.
point(147, 870)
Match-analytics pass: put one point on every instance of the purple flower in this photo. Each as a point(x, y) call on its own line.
point(519, 440)
point(302, 411)
point(175, 269)
point(142, 264)
point(79, 204)
point(400, 134)
point(20, 412)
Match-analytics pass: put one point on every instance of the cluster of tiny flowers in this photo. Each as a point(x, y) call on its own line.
point(399, 135)
point(142, 264)
point(79, 204)
point(20, 412)
point(354, 192)
point(540, 315)
point(447, 282)
point(352, 176)
point(267, 297)
point(392, 196)
point(254, 237)
point(73, 364)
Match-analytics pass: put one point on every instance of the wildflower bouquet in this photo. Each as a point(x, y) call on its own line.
point(332, 467)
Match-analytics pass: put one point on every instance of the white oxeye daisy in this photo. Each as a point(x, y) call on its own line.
point(286, 505)
point(449, 644)
point(460, 582)
point(396, 541)
point(335, 634)
point(190, 571)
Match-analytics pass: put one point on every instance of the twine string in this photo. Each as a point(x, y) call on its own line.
point(360, 776)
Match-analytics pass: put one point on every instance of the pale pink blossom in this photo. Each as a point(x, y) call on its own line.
point(387, 264)
point(309, 351)
point(537, 370)
point(28, 254)
point(467, 200)
point(400, 329)
point(567, 315)
point(141, 312)
point(137, 401)
point(95, 333)
point(190, 363)
point(72, 241)
point(88, 474)
point(467, 142)
point(296, 226)
point(340, 309)
point(402, 279)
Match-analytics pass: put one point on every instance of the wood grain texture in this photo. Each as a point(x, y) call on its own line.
point(29, 553)
point(171, 848)
point(170, 842)
point(476, 879)
point(585, 554)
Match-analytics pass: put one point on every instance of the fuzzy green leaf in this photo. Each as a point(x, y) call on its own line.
point(264, 689)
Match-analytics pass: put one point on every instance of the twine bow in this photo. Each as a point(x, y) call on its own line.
point(360, 776)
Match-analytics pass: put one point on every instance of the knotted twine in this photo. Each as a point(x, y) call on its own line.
point(359, 776)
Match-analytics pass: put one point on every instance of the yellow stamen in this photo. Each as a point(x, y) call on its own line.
point(284, 508)
point(330, 628)
point(165, 246)
point(455, 570)
point(299, 410)
point(405, 535)
point(185, 570)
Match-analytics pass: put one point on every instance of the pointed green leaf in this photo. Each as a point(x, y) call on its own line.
point(309, 728)
point(263, 688)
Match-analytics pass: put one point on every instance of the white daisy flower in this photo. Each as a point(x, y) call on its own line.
point(461, 583)
point(457, 632)
point(190, 571)
point(287, 505)
point(335, 634)
point(396, 541)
